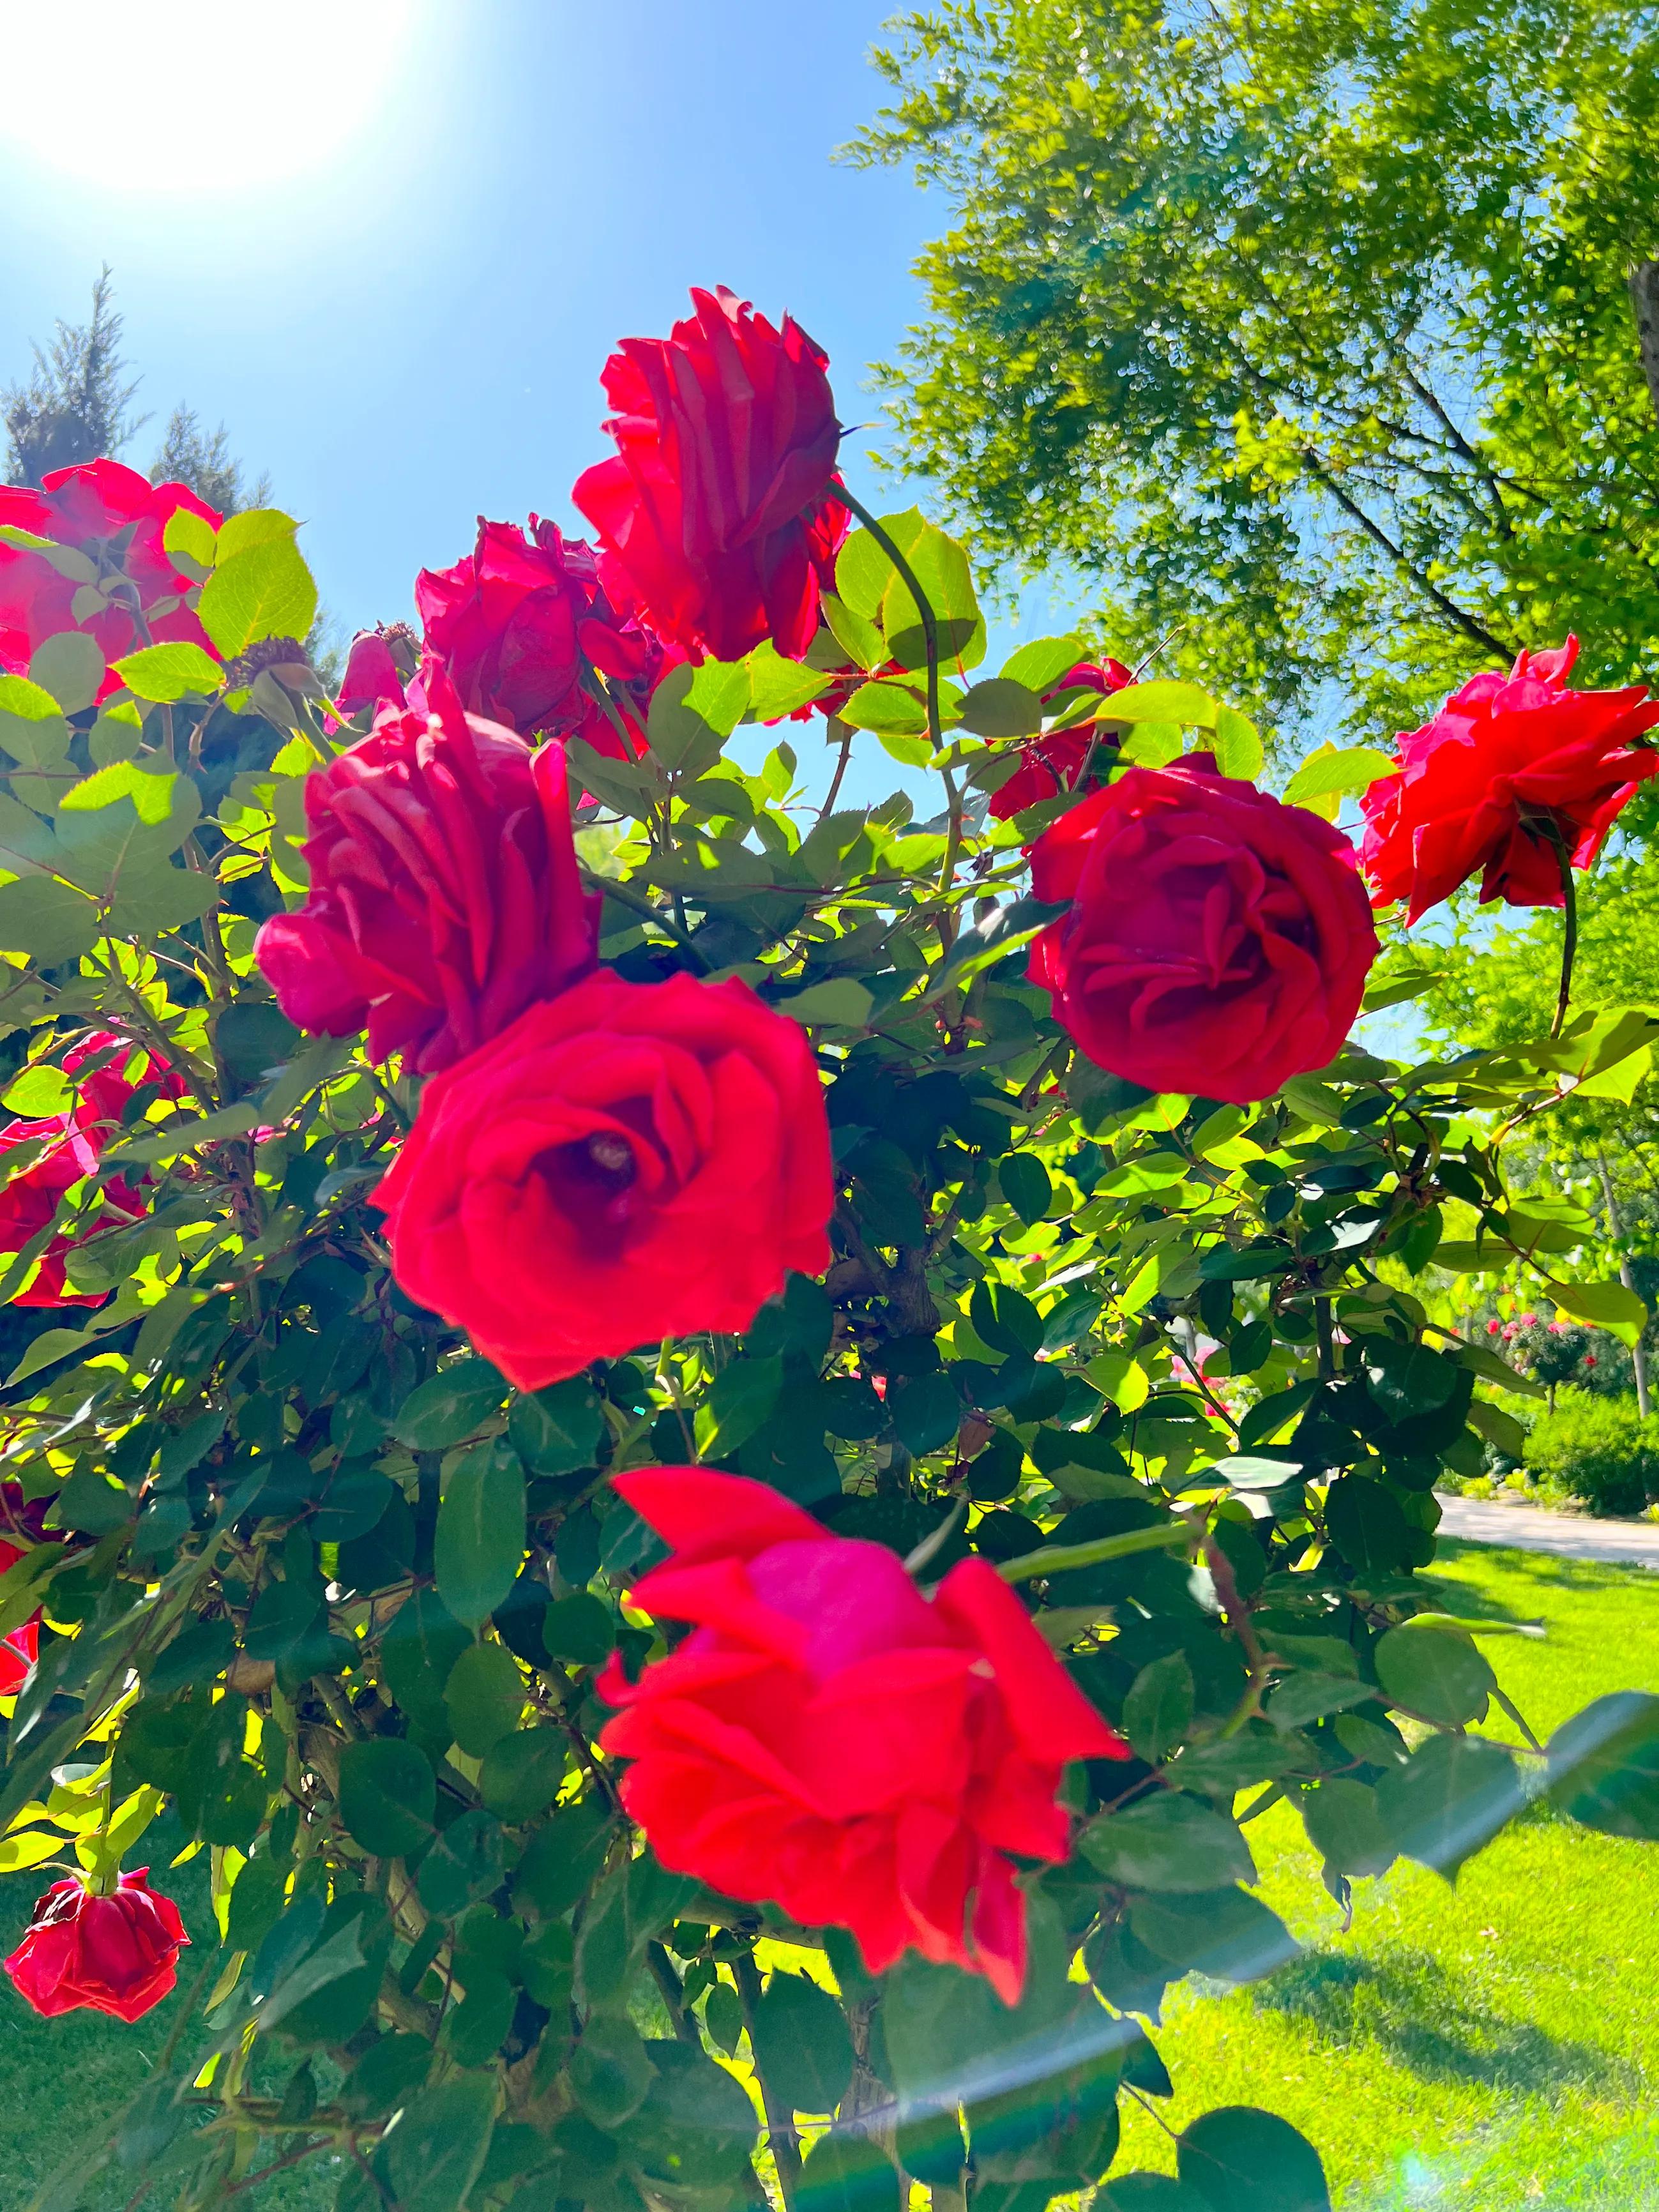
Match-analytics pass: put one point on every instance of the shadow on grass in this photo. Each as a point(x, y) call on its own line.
point(1407, 2008)
point(1578, 1577)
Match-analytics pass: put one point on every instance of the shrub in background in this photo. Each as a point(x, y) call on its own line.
point(1597, 1449)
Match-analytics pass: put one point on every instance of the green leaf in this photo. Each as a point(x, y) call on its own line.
point(1454, 1793)
point(889, 709)
point(842, 1002)
point(1184, 703)
point(1158, 1708)
point(1237, 747)
point(1604, 1305)
point(165, 673)
point(1435, 1672)
point(193, 535)
point(842, 2172)
point(32, 726)
point(388, 1796)
point(1604, 1765)
point(479, 1542)
point(40, 1090)
point(449, 1407)
point(522, 1774)
point(1039, 666)
point(1000, 708)
point(1345, 1826)
point(265, 591)
point(151, 794)
point(70, 666)
point(610, 2069)
point(418, 1650)
point(254, 525)
point(435, 2151)
point(556, 1431)
point(864, 570)
point(1329, 772)
point(940, 568)
point(683, 740)
point(563, 1859)
point(802, 2046)
point(578, 1627)
point(1238, 2159)
point(1026, 1185)
point(1367, 1525)
point(777, 687)
point(858, 638)
point(1169, 1842)
point(742, 1398)
point(483, 1697)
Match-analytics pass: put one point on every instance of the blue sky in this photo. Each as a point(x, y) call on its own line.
point(390, 242)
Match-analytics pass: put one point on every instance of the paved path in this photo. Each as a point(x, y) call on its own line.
point(1536, 1528)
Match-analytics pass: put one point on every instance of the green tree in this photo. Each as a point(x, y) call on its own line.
point(1307, 326)
point(76, 404)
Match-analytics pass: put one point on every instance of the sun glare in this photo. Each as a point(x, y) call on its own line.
point(201, 96)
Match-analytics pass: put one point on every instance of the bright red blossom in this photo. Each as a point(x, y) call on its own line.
point(628, 1162)
point(114, 519)
point(521, 622)
point(1505, 761)
point(69, 1145)
point(829, 1740)
point(1218, 941)
point(445, 896)
point(713, 519)
point(116, 1955)
point(1052, 764)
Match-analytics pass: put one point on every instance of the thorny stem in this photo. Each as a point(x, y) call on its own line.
point(1552, 831)
point(834, 793)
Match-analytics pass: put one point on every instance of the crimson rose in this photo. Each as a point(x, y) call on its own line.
point(520, 623)
point(1052, 763)
point(1508, 766)
point(830, 1741)
point(114, 518)
point(445, 896)
point(116, 1955)
point(67, 1148)
point(714, 517)
point(1218, 941)
point(628, 1161)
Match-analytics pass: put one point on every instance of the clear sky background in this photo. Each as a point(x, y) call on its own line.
point(389, 243)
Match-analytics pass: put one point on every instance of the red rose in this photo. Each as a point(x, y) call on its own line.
point(521, 622)
point(71, 1145)
point(115, 518)
point(714, 517)
point(1052, 763)
point(444, 897)
point(830, 1741)
point(1505, 758)
point(628, 1161)
point(82, 1952)
point(1218, 941)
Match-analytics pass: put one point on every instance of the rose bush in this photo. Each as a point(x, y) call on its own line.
point(701, 1447)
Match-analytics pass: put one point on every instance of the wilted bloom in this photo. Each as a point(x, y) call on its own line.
point(714, 518)
point(1052, 763)
point(829, 1740)
point(115, 1953)
point(1510, 765)
point(380, 664)
point(110, 520)
point(445, 896)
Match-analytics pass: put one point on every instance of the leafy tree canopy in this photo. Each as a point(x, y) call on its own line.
point(1309, 327)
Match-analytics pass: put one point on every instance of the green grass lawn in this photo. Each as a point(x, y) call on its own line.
point(1489, 2048)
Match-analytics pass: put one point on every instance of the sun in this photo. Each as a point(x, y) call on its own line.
point(201, 97)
